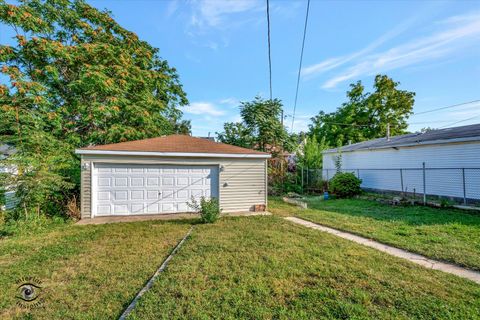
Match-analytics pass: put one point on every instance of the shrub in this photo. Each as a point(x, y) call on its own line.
point(208, 209)
point(345, 185)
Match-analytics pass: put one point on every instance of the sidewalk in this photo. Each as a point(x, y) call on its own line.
point(412, 257)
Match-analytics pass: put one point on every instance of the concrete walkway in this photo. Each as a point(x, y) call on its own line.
point(412, 257)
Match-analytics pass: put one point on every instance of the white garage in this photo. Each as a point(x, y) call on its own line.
point(160, 175)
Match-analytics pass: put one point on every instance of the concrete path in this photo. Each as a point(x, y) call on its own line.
point(412, 257)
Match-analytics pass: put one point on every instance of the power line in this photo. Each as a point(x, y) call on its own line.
point(451, 124)
point(269, 49)
point(300, 65)
point(447, 107)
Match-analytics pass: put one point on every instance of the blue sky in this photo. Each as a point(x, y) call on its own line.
point(219, 49)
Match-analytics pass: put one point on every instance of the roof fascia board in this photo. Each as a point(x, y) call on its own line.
point(423, 143)
point(172, 154)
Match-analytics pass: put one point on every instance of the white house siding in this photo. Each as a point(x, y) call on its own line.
point(242, 181)
point(444, 175)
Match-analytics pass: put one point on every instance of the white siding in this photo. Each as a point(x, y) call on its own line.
point(242, 181)
point(459, 155)
point(447, 181)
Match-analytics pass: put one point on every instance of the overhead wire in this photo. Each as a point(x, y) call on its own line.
point(447, 107)
point(269, 49)
point(456, 122)
point(300, 64)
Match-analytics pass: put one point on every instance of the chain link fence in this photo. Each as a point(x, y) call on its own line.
point(460, 185)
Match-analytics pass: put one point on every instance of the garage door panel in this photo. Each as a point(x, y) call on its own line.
point(153, 208)
point(104, 182)
point(182, 195)
point(152, 195)
point(168, 207)
point(120, 181)
point(136, 195)
point(120, 195)
point(182, 207)
point(182, 181)
point(120, 208)
point(168, 181)
point(104, 209)
point(137, 182)
point(122, 189)
point(104, 195)
point(137, 207)
point(153, 182)
point(167, 194)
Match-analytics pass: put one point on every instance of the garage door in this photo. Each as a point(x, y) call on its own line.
point(121, 189)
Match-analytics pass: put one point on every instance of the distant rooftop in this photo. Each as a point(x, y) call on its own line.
point(439, 136)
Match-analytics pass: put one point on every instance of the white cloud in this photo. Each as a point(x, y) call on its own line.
point(172, 7)
point(213, 13)
point(230, 102)
point(203, 108)
point(460, 33)
point(333, 63)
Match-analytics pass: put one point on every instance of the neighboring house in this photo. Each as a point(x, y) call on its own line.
point(451, 157)
point(8, 192)
point(160, 175)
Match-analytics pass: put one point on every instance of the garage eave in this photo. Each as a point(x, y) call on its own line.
point(172, 154)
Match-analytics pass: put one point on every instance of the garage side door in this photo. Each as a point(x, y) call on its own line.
point(121, 189)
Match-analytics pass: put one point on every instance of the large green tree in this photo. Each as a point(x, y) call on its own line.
point(261, 127)
point(366, 115)
point(75, 77)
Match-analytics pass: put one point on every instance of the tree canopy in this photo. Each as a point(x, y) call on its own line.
point(366, 115)
point(261, 127)
point(75, 77)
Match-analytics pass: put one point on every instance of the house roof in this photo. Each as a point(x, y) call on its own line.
point(439, 136)
point(173, 145)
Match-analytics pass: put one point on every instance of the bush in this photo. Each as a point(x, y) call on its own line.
point(208, 209)
point(33, 225)
point(345, 185)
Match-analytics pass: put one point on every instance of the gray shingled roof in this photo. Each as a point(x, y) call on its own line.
point(455, 134)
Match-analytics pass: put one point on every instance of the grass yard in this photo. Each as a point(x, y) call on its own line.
point(266, 267)
point(446, 234)
point(87, 272)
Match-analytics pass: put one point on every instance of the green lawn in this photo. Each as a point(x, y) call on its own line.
point(445, 234)
point(266, 267)
point(87, 272)
point(244, 267)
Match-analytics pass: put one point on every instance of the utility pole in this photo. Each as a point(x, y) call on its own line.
point(388, 131)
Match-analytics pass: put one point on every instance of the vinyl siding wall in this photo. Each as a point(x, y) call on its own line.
point(242, 181)
point(443, 168)
point(454, 155)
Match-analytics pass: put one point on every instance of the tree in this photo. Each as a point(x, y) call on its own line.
point(261, 127)
point(75, 78)
point(237, 134)
point(311, 155)
point(365, 116)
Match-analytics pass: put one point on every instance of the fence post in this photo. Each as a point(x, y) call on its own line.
point(308, 173)
point(302, 179)
point(328, 180)
point(358, 173)
point(464, 188)
point(401, 178)
point(424, 183)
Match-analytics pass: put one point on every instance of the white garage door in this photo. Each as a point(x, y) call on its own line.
point(121, 189)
